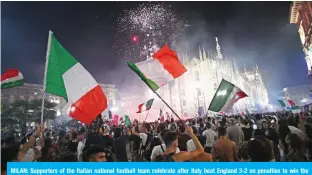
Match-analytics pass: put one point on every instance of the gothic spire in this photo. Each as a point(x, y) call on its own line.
point(183, 57)
point(256, 68)
point(235, 65)
point(200, 54)
point(187, 58)
point(204, 53)
point(219, 54)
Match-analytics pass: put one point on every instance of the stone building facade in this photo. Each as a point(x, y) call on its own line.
point(34, 91)
point(301, 15)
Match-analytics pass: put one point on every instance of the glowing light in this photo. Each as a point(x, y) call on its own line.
point(114, 109)
point(72, 109)
point(304, 100)
point(58, 112)
point(135, 38)
point(151, 94)
point(221, 93)
point(156, 24)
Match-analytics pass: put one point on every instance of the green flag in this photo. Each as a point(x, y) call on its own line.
point(127, 120)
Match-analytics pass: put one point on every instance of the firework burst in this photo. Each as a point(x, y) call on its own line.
point(142, 30)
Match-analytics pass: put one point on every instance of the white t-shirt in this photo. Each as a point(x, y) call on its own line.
point(158, 151)
point(30, 155)
point(143, 137)
point(211, 136)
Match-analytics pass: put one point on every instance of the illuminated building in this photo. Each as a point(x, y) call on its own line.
point(34, 91)
point(197, 86)
point(301, 15)
point(28, 92)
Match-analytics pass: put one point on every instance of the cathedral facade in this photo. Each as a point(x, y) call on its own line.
point(191, 94)
point(195, 89)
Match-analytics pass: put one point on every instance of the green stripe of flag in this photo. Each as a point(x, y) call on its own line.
point(59, 62)
point(221, 96)
point(149, 104)
point(12, 84)
point(282, 103)
point(151, 84)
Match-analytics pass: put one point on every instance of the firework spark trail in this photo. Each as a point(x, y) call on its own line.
point(142, 30)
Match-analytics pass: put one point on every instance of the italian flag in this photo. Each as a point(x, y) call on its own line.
point(285, 103)
point(159, 70)
point(67, 78)
point(226, 95)
point(11, 78)
point(147, 106)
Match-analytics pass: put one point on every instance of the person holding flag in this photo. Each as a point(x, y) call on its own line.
point(67, 78)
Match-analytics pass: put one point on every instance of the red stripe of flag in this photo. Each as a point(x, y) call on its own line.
point(169, 59)
point(89, 106)
point(239, 95)
point(9, 74)
point(140, 108)
point(292, 103)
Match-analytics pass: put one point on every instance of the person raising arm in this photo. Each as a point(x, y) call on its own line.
point(184, 155)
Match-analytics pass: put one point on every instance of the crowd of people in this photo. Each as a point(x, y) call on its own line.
point(257, 138)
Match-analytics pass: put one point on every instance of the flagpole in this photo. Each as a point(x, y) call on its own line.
point(167, 105)
point(45, 76)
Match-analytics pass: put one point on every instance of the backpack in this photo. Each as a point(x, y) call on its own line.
point(164, 158)
point(147, 153)
point(148, 141)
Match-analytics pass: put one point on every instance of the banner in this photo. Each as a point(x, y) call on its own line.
point(160, 168)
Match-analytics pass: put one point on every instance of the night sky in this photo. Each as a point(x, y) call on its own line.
point(252, 32)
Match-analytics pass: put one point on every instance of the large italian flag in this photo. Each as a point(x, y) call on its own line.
point(11, 78)
point(227, 94)
point(157, 72)
point(67, 78)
